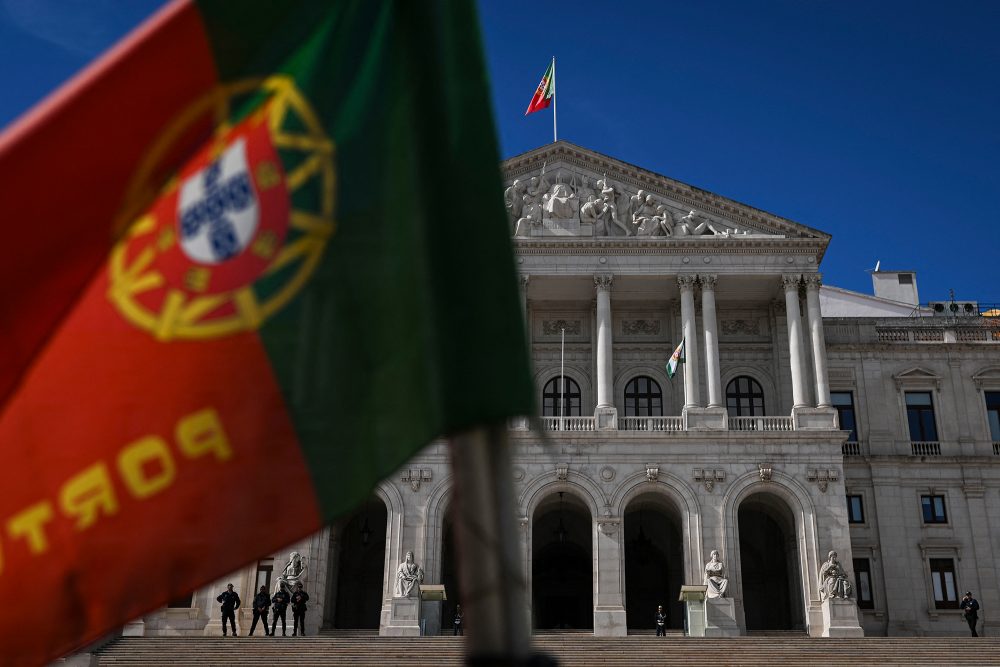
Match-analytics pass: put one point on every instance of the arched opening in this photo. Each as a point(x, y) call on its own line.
point(561, 400)
point(744, 397)
point(449, 574)
point(643, 397)
point(562, 564)
point(357, 557)
point(654, 561)
point(769, 565)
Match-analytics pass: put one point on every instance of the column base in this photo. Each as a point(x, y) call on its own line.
point(610, 622)
point(705, 419)
point(840, 618)
point(814, 419)
point(404, 619)
point(720, 618)
point(135, 628)
point(606, 419)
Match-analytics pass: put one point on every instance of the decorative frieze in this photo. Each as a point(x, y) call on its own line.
point(708, 477)
point(641, 327)
point(741, 327)
point(555, 327)
point(415, 477)
point(822, 478)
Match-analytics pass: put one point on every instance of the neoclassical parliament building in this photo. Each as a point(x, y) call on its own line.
point(806, 419)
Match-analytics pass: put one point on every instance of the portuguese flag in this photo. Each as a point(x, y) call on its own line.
point(546, 89)
point(253, 258)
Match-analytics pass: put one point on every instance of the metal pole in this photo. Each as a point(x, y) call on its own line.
point(562, 381)
point(555, 134)
point(491, 575)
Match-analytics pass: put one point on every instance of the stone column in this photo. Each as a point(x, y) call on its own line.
point(818, 340)
point(794, 318)
point(609, 589)
point(692, 392)
point(524, 278)
point(606, 414)
point(714, 380)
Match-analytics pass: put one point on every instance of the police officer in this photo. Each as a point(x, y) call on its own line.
point(661, 622)
point(230, 600)
point(970, 607)
point(261, 604)
point(280, 601)
point(299, 599)
point(459, 620)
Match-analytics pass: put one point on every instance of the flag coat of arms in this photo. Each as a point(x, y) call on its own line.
point(241, 303)
point(676, 358)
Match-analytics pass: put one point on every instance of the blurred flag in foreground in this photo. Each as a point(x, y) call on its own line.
point(252, 259)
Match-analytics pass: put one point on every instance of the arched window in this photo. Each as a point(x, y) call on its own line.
point(744, 397)
point(643, 398)
point(570, 394)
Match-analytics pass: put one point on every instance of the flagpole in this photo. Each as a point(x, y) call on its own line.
point(555, 134)
point(562, 380)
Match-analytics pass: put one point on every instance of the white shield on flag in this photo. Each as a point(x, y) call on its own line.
point(217, 210)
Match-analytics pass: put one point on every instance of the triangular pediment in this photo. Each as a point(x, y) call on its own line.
point(917, 377)
point(988, 378)
point(554, 184)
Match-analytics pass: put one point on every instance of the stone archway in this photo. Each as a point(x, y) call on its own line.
point(654, 561)
point(562, 564)
point(769, 565)
point(358, 564)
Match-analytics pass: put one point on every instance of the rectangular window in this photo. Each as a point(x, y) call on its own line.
point(844, 402)
point(855, 509)
point(920, 415)
point(993, 414)
point(264, 570)
point(863, 583)
point(943, 582)
point(933, 509)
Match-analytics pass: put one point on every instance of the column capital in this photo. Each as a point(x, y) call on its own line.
point(686, 281)
point(790, 281)
point(603, 281)
point(708, 280)
point(813, 281)
point(524, 279)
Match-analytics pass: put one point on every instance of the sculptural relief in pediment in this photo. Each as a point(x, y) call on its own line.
point(565, 201)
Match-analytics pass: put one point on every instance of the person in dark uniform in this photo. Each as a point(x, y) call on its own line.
point(280, 601)
point(661, 622)
point(261, 605)
point(970, 606)
point(459, 619)
point(230, 600)
point(299, 599)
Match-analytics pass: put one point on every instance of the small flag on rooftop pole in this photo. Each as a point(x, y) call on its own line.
point(676, 358)
point(545, 91)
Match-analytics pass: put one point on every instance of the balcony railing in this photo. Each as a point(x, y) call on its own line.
point(930, 448)
point(996, 449)
point(851, 448)
point(650, 423)
point(761, 424)
point(568, 423)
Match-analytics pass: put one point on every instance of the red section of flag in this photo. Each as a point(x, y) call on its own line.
point(176, 463)
point(543, 94)
point(87, 156)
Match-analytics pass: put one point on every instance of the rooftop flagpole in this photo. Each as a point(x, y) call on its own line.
point(555, 134)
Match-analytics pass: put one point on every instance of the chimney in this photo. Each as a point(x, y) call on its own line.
point(898, 286)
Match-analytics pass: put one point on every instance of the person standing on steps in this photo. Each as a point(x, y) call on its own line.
point(280, 601)
point(661, 622)
point(459, 619)
point(230, 600)
point(299, 599)
point(970, 606)
point(261, 604)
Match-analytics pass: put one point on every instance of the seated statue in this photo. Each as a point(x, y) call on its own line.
point(833, 582)
point(715, 577)
point(561, 202)
point(693, 224)
point(408, 576)
point(531, 216)
point(294, 573)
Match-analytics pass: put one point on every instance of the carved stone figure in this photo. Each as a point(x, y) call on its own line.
point(646, 218)
point(833, 582)
point(538, 187)
point(693, 224)
point(531, 215)
point(598, 213)
point(294, 573)
point(513, 199)
point(561, 202)
point(715, 577)
point(408, 578)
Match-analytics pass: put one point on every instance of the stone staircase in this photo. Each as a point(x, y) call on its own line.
point(357, 649)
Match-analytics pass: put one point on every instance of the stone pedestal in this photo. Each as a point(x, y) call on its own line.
point(814, 419)
point(563, 227)
point(430, 615)
point(693, 597)
point(404, 618)
point(840, 618)
point(606, 419)
point(720, 618)
point(137, 628)
point(610, 622)
point(705, 419)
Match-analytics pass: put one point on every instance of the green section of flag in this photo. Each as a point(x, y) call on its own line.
point(675, 359)
point(549, 80)
point(411, 326)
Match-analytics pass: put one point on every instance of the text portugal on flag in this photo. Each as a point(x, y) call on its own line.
point(233, 301)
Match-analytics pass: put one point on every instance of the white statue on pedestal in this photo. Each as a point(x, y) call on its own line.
point(408, 577)
point(294, 573)
point(715, 577)
point(833, 582)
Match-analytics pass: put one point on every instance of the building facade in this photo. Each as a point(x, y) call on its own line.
point(805, 419)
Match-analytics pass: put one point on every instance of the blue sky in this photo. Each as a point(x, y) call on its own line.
point(873, 121)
